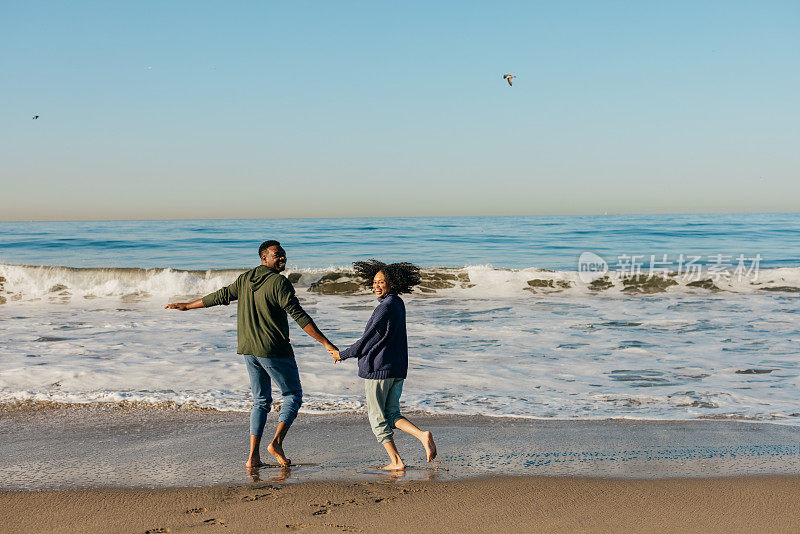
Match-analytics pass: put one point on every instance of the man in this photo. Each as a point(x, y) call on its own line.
point(264, 299)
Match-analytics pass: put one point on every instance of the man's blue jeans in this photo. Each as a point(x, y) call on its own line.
point(284, 372)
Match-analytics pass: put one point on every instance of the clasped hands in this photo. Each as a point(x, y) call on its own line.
point(334, 352)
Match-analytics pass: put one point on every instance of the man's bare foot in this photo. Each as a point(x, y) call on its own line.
point(276, 449)
point(430, 446)
point(394, 466)
point(253, 462)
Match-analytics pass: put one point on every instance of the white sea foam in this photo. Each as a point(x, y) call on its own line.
point(19, 282)
point(486, 346)
point(32, 282)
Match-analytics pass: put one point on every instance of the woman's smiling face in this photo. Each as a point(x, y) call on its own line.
point(379, 285)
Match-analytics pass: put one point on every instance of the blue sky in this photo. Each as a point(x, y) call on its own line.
point(324, 109)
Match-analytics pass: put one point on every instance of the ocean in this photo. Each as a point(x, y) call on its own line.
point(559, 317)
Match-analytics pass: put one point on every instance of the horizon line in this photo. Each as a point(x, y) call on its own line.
point(585, 214)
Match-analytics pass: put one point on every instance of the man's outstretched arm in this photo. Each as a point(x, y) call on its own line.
point(183, 306)
point(222, 296)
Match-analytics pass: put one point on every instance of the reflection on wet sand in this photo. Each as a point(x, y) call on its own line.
point(275, 474)
point(409, 474)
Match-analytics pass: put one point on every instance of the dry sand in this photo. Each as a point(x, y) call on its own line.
point(527, 504)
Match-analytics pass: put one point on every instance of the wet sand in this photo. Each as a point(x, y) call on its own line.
point(90, 446)
point(107, 468)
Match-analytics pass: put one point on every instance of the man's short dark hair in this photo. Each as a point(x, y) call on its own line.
point(265, 245)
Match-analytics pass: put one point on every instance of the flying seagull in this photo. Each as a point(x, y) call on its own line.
point(35, 117)
point(508, 78)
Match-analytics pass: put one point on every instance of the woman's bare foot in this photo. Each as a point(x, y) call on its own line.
point(395, 462)
point(394, 466)
point(430, 446)
point(425, 437)
point(276, 449)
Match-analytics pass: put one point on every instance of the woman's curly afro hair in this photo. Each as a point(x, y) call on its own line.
point(402, 277)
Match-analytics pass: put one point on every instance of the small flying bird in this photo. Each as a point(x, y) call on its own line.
point(35, 117)
point(508, 78)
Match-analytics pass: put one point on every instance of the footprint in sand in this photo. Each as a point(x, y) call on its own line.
point(270, 491)
point(251, 498)
point(214, 521)
point(195, 510)
point(268, 487)
point(340, 528)
point(156, 531)
point(298, 526)
point(343, 528)
point(406, 491)
point(325, 508)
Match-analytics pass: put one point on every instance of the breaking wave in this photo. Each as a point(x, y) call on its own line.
point(60, 284)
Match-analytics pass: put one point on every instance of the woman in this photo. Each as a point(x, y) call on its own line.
point(382, 354)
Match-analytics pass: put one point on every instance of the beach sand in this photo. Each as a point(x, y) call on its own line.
point(527, 504)
point(112, 468)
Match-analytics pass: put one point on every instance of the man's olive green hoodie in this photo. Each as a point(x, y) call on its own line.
point(264, 298)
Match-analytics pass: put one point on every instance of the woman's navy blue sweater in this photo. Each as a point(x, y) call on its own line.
point(382, 351)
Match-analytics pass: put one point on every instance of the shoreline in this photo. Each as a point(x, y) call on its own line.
point(34, 405)
point(112, 446)
point(78, 468)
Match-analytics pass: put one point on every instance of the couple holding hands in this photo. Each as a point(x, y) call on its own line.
point(265, 298)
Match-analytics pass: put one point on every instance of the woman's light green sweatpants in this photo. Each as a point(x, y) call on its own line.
point(383, 405)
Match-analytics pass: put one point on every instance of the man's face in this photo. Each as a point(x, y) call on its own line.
point(274, 258)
